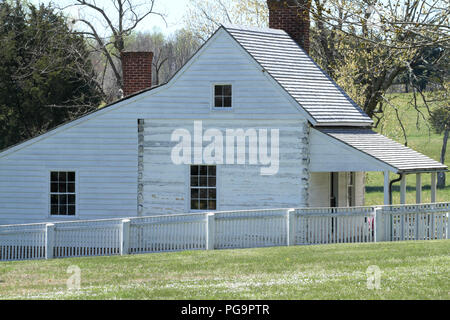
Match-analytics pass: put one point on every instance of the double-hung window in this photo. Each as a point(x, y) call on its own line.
point(62, 193)
point(203, 187)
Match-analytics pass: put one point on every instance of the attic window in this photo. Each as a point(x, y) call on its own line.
point(222, 96)
point(62, 193)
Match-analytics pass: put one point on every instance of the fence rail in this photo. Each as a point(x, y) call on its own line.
point(224, 230)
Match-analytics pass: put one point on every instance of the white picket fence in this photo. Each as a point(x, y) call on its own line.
point(249, 229)
point(167, 233)
point(224, 230)
point(86, 238)
point(417, 222)
point(335, 225)
point(23, 242)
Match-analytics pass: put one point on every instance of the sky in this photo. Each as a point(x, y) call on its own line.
point(173, 10)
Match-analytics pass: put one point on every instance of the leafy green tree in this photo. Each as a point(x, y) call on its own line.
point(45, 73)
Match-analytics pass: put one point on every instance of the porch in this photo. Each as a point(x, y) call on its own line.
point(341, 156)
point(347, 189)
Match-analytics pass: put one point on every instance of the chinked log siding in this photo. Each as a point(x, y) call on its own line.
point(166, 185)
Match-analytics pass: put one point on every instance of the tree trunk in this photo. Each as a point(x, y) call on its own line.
point(441, 175)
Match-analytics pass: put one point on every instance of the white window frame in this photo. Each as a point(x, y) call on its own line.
point(188, 189)
point(213, 96)
point(49, 199)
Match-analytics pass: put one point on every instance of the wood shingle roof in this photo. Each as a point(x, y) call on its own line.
point(300, 76)
point(402, 158)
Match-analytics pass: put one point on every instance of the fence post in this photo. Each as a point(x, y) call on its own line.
point(379, 225)
point(291, 227)
point(125, 237)
point(448, 225)
point(49, 240)
point(210, 231)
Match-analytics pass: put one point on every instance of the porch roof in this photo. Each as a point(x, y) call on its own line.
point(394, 154)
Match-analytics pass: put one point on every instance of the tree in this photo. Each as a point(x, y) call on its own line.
point(118, 19)
point(368, 45)
point(440, 121)
point(203, 17)
point(365, 45)
point(170, 53)
point(45, 74)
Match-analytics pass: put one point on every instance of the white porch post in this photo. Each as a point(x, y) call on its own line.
point(386, 188)
point(403, 190)
point(418, 188)
point(433, 187)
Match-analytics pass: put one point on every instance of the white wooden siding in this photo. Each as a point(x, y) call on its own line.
point(103, 147)
point(342, 192)
point(106, 173)
point(330, 155)
point(360, 189)
point(319, 192)
point(319, 189)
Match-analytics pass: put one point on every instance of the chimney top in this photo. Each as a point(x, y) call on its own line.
point(291, 16)
point(137, 71)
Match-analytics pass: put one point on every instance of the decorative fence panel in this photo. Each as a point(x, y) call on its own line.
point(250, 229)
point(334, 225)
point(225, 230)
point(22, 242)
point(87, 238)
point(417, 222)
point(168, 233)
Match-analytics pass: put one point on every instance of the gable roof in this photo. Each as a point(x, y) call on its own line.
point(300, 76)
point(396, 155)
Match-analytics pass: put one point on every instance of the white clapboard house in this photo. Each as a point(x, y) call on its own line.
point(151, 153)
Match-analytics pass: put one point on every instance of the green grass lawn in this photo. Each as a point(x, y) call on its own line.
point(420, 138)
point(409, 270)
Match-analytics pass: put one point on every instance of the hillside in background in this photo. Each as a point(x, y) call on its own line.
point(420, 138)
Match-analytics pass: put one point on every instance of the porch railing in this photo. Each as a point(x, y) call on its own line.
point(225, 230)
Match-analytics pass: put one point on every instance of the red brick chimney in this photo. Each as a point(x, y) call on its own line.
point(291, 16)
point(137, 71)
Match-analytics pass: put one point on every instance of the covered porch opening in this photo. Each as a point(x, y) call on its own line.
point(347, 189)
point(390, 182)
point(340, 157)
